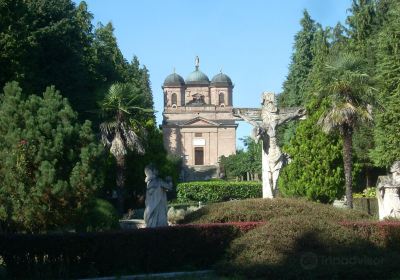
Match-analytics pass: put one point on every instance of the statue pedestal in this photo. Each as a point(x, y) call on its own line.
point(387, 194)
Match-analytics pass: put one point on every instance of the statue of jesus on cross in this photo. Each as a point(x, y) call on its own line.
point(265, 123)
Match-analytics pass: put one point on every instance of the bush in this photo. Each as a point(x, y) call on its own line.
point(99, 215)
point(268, 209)
point(217, 191)
point(384, 234)
point(70, 255)
point(369, 192)
point(298, 248)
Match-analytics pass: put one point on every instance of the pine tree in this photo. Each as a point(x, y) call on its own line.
point(50, 163)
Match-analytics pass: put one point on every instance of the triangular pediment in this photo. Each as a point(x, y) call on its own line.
point(199, 121)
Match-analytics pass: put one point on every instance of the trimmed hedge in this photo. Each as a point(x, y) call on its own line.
point(255, 210)
point(313, 248)
point(72, 255)
point(385, 234)
point(217, 191)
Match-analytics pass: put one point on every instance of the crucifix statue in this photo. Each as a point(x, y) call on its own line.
point(265, 122)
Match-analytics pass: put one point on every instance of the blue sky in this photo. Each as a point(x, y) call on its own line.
point(250, 40)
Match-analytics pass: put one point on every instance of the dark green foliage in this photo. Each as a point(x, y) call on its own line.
point(216, 191)
point(52, 42)
point(139, 76)
point(49, 161)
point(387, 132)
point(294, 88)
point(110, 63)
point(315, 170)
point(48, 42)
point(256, 210)
point(98, 215)
point(72, 256)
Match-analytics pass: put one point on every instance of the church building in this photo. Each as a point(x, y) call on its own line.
point(198, 124)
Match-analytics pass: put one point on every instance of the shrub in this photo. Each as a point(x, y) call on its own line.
point(50, 164)
point(99, 215)
point(268, 209)
point(217, 191)
point(71, 255)
point(298, 248)
point(369, 192)
point(385, 234)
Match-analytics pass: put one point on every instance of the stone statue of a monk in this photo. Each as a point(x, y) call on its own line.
point(387, 193)
point(155, 214)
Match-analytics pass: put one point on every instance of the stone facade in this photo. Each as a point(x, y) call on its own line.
point(198, 124)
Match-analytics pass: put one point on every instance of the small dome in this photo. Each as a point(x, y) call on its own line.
point(221, 80)
point(174, 80)
point(197, 78)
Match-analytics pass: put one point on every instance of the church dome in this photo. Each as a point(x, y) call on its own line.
point(174, 80)
point(221, 79)
point(197, 78)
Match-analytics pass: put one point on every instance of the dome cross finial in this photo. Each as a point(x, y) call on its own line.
point(197, 62)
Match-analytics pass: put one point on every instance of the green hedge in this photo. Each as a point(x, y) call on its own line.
point(217, 191)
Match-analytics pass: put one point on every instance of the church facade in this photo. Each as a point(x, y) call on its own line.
point(198, 124)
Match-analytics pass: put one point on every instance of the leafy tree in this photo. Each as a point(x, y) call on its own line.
point(387, 131)
point(243, 162)
point(350, 93)
point(139, 76)
point(48, 171)
point(120, 130)
point(111, 65)
point(361, 20)
point(41, 41)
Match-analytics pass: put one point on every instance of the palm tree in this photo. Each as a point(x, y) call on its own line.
point(349, 91)
point(121, 109)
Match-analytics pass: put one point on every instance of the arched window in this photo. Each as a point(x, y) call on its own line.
point(174, 99)
point(221, 98)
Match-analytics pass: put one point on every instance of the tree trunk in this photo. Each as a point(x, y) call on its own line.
point(348, 163)
point(120, 182)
